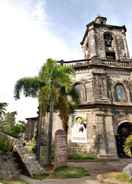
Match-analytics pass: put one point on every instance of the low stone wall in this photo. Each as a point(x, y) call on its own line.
point(78, 147)
point(8, 167)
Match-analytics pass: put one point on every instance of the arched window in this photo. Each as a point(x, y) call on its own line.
point(120, 93)
point(80, 88)
point(108, 39)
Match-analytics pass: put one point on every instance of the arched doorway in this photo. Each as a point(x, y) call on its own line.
point(123, 131)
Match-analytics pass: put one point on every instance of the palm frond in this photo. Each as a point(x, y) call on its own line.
point(3, 106)
point(29, 86)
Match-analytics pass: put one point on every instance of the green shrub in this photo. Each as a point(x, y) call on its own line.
point(16, 130)
point(4, 145)
point(128, 146)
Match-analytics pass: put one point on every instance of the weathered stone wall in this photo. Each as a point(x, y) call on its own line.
point(61, 154)
point(98, 77)
point(94, 44)
point(8, 167)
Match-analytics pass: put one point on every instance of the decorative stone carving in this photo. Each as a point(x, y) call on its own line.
point(100, 86)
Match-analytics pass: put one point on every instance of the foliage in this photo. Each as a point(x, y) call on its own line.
point(8, 121)
point(4, 145)
point(16, 130)
point(29, 85)
point(69, 172)
point(12, 182)
point(65, 172)
point(10, 126)
point(122, 177)
point(53, 86)
point(118, 176)
point(66, 104)
point(82, 156)
point(128, 146)
point(2, 109)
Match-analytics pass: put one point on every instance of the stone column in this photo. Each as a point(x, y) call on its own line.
point(110, 137)
point(92, 43)
point(105, 136)
point(101, 139)
point(126, 47)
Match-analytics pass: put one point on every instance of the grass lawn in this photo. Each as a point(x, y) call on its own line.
point(12, 182)
point(65, 172)
point(69, 172)
point(119, 176)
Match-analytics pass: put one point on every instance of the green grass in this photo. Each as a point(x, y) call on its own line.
point(12, 182)
point(69, 172)
point(119, 176)
point(65, 172)
point(82, 156)
point(122, 177)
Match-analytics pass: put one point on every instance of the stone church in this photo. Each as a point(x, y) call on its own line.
point(103, 79)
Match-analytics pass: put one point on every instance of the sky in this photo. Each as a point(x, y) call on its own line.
point(33, 30)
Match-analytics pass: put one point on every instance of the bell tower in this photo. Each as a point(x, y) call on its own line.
point(103, 80)
point(105, 41)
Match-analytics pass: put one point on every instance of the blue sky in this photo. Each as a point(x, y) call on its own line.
point(33, 30)
point(67, 19)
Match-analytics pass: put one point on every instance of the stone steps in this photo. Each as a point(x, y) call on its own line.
point(29, 160)
point(32, 165)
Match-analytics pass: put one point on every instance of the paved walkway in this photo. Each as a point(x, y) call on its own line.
point(84, 180)
point(100, 167)
point(93, 168)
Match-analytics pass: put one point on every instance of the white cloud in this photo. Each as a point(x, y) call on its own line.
point(25, 43)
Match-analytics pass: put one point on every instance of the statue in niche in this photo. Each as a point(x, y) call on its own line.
point(120, 94)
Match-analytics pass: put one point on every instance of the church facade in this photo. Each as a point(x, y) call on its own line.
point(103, 80)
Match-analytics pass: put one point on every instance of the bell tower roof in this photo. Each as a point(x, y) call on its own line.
point(104, 40)
point(100, 20)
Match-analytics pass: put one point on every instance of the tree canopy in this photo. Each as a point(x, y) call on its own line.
point(55, 92)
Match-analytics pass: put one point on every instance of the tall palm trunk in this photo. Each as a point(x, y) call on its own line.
point(50, 127)
point(38, 140)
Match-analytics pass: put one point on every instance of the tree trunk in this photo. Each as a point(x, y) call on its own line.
point(38, 137)
point(50, 127)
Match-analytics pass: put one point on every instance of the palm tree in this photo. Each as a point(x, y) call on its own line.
point(52, 84)
point(3, 106)
point(66, 104)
